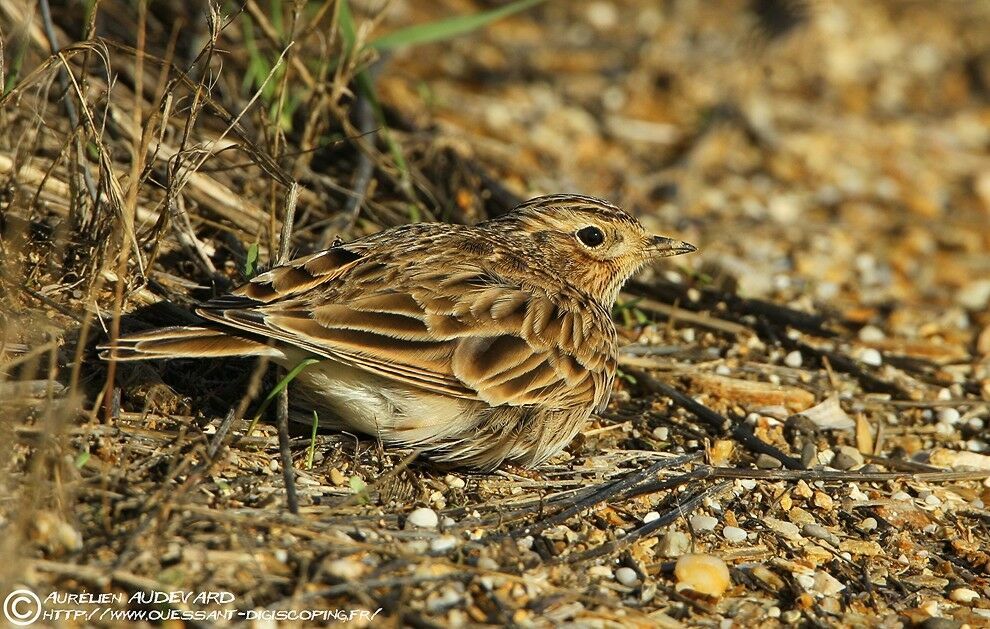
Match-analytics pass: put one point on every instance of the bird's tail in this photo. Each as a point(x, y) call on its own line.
point(184, 342)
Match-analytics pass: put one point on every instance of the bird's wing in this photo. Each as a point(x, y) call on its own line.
point(458, 329)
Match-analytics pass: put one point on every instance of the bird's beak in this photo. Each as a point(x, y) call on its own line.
point(663, 247)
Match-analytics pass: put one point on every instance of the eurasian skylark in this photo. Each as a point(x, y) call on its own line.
point(478, 345)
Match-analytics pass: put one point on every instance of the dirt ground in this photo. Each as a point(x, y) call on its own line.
point(799, 433)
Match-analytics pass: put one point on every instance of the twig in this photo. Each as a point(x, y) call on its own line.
point(607, 491)
point(681, 510)
point(740, 432)
point(282, 410)
point(63, 79)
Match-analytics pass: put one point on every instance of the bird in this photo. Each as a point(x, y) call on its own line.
point(477, 345)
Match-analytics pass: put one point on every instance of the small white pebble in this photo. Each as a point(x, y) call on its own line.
point(448, 522)
point(944, 394)
point(975, 424)
point(793, 359)
point(948, 416)
point(774, 612)
point(872, 357)
point(975, 445)
point(871, 334)
point(626, 576)
point(723, 370)
point(281, 555)
point(748, 484)
point(443, 543)
point(651, 516)
point(688, 334)
point(661, 433)
point(703, 522)
point(601, 572)
point(454, 482)
point(900, 495)
point(734, 534)
point(487, 563)
point(868, 524)
point(933, 501)
point(525, 543)
point(774, 379)
point(424, 518)
point(963, 595)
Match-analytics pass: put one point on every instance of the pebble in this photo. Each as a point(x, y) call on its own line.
point(723, 370)
point(785, 529)
point(346, 569)
point(674, 544)
point(793, 359)
point(705, 574)
point(767, 462)
point(454, 482)
point(424, 518)
point(602, 572)
point(963, 595)
point(443, 543)
point(651, 516)
point(661, 433)
point(827, 585)
point(846, 458)
point(948, 416)
point(626, 576)
point(487, 563)
point(820, 532)
point(734, 534)
point(871, 334)
point(702, 523)
point(870, 356)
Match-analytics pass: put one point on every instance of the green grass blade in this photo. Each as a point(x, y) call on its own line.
point(312, 442)
point(449, 28)
point(284, 382)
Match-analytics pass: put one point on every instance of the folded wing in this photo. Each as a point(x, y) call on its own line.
point(461, 331)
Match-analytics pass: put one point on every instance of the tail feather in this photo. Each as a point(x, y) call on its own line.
point(184, 342)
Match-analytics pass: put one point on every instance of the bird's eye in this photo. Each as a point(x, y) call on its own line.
point(590, 236)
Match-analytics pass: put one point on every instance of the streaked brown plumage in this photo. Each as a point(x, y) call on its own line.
point(476, 344)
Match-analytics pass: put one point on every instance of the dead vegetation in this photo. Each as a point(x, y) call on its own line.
point(808, 400)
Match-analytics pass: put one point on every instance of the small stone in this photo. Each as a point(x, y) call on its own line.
point(626, 576)
point(674, 544)
point(767, 462)
point(963, 595)
point(701, 523)
point(662, 433)
point(826, 585)
point(651, 516)
point(871, 334)
point(705, 574)
point(345, 569)
point(948, 416)
point(337, 477)
point(734, 534)
point(846, 458)
point(487, 563)
point(871, 357)
point(902, 496)
point(818, 531)
point(443, 543)
point(601, 572)
point(784, 529)
point(793, 359)
point(823, 501)
point(454, 482)
point(424, 518)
